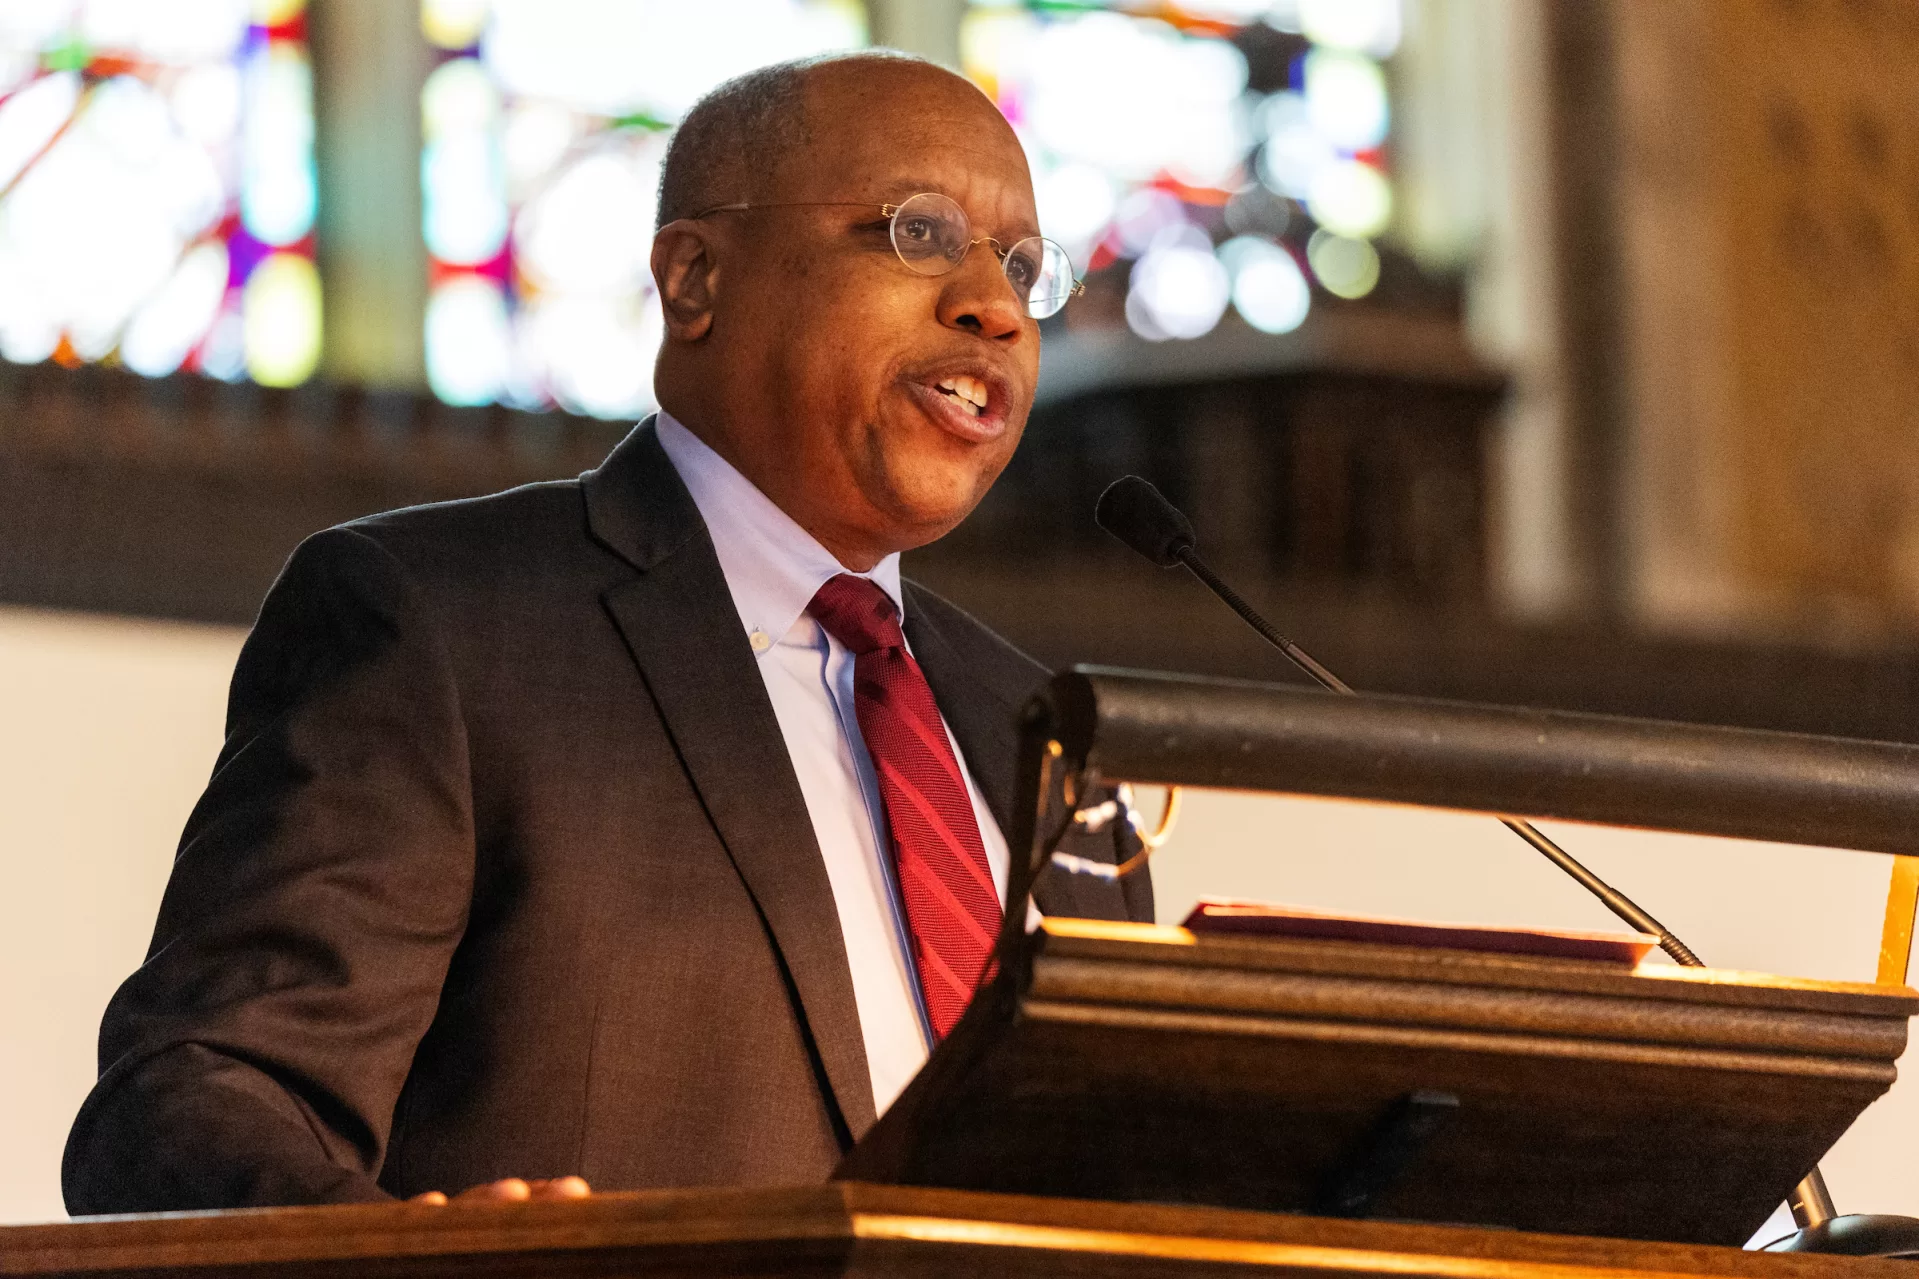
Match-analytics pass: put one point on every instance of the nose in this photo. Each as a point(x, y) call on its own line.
point(979, 299)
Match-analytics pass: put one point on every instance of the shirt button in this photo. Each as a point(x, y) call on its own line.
point(760, 641)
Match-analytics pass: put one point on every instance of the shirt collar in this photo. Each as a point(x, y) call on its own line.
point(773, 567)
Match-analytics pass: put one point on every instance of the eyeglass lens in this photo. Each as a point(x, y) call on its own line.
point(932, 234)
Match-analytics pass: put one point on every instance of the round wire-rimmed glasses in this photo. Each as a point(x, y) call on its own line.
point(932, 235)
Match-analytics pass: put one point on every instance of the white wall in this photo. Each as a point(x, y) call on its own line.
point(108, 728)
point(107, 731)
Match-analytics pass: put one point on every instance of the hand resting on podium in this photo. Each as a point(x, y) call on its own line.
point(511, 1190)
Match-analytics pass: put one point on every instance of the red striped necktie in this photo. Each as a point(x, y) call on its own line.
point(946, 884)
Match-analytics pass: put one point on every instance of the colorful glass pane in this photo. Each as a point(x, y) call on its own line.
point(157, 188)
point(1218, 152)
point(544, 126)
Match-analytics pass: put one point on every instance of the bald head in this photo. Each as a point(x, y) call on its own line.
point(731, 146)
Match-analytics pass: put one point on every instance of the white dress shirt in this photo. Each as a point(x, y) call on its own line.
point(773, 568)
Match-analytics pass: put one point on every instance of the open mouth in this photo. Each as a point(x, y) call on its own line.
point(967, 394)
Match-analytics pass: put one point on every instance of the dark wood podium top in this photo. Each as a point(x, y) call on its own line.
point(844, 1228)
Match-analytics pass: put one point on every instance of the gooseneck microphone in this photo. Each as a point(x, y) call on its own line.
point(1139, 515)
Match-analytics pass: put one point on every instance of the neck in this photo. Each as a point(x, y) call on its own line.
point(855, 551)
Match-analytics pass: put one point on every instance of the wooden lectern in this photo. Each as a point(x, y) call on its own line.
point(844, 1229)
point(1118, 1097)
point(1147, 1064)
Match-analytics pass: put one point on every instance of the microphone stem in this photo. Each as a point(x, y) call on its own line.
point(1811, 1202)
point(1614, 900)
point(1300, 657)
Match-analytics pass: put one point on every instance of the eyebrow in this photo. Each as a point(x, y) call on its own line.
point(901, 189)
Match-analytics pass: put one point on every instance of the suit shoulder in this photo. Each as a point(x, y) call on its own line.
point(529, 526)
point(516, 510)
point(995, 661)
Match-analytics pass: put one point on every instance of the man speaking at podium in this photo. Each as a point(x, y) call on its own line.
point(644, 828)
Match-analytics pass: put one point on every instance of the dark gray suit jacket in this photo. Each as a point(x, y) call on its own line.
point(504, 871)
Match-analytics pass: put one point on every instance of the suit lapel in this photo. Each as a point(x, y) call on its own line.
point(984, 724)
point(679, 622)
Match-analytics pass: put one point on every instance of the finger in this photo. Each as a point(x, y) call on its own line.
point(437, 1198)
point(505, 1190)
point(562, 1188)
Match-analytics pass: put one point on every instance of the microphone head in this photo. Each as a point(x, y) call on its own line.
point(1138, 514)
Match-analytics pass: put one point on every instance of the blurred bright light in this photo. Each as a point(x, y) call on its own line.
point(535, 139)
point(16, 66)
point(1364, 26)
point(546, 148)
point(33, 24)
point(461, 180)
point(1132, 97)
point(454, 24)
point(29, 329)
point(597, 353)
point(272, 13)
point(1295, 152)
point(169, 31)
point(1076, 201)
point(591, 229)
point(206, 103)
point(622, 57)
point(278, 188)
point(469, 341)
point(1350, 197)
point(120, 182)
point(1269, 290)
point(464, 200)
point(1143, 215)
point(224, 354)
point(1346, 99)
point(458, 97)
point(991, 39)
point(30, 118)
point(282, 317)
point(1348, 268)
point(1140, 319)
point(1237, 11)
point(172, 322)
point(1182, 289)
point(97, 224)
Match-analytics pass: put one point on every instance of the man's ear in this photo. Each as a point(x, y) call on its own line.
point(686, 270)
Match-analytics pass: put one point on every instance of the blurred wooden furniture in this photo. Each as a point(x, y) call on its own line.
point(840, 1229)
point(1350, 454)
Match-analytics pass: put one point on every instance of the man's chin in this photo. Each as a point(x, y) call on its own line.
point(926, 498)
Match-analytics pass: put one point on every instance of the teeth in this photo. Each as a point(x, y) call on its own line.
point(970, 392)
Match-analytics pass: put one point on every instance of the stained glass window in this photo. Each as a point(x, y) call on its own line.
point(1230, 150)
point(157, 189)
point(544, 126)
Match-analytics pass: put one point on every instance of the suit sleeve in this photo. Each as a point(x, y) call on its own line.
point(321, 886)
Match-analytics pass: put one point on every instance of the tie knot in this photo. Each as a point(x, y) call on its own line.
point(858, 614)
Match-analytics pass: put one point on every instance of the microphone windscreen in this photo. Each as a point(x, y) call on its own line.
point(1138, 514)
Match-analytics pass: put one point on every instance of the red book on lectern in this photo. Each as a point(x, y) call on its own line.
point(1269, 919)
